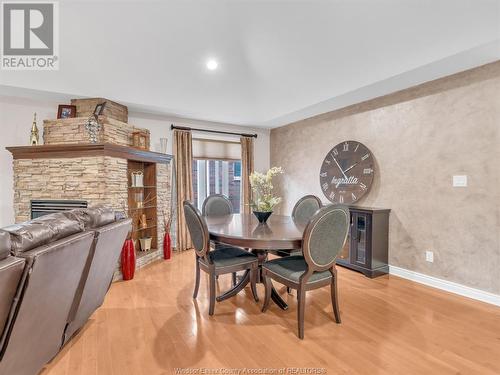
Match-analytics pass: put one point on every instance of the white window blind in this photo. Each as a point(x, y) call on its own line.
point(216, 149)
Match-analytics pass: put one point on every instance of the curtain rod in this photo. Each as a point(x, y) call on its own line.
point(212, 131)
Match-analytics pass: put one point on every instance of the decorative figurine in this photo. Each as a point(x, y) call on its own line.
point(93, 128)
point(34, 138)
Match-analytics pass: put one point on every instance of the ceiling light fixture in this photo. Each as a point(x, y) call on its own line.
point(212, 64)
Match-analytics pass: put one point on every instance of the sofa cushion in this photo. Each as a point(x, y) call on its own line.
point(4, 244)
point(41, 231)
point(92, 218)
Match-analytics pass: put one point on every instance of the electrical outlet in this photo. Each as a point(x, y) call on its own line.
point(429, 256)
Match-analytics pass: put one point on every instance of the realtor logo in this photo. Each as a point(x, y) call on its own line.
point(30, 38)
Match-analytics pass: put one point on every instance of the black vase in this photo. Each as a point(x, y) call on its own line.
point(262, 216)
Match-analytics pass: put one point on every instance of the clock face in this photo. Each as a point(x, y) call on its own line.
point(347, 172)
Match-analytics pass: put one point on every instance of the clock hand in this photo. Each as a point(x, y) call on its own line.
point(351, 167)
point(336, 162)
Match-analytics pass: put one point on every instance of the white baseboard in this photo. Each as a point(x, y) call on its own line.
point(448, 286)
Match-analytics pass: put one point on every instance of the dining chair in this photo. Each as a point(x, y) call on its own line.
point(218, 205)
point(302, 212)
point(323, 239)
point(304, 209)
point(223, 260)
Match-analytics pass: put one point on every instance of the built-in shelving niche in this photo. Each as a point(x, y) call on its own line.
point(142, 200)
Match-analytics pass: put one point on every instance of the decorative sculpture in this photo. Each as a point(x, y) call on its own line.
point(34, 137)
point(93, 128)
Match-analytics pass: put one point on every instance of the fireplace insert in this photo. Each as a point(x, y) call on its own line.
point(45, 207)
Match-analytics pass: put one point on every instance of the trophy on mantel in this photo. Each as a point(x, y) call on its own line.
point(34, 137)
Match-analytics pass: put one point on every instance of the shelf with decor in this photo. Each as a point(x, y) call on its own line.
point(142, 203)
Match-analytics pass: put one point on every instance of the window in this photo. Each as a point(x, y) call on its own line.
point(237, 171)
point(212, 176)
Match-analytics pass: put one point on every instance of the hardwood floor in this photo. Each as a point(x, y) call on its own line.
point(151, 325)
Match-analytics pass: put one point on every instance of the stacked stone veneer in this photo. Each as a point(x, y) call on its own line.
point(72, 131)
point(100, 180)
point(163, 189)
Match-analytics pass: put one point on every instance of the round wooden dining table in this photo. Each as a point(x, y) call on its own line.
point(243, 230)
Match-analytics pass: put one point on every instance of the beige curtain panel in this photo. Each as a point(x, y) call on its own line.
point(246, 171)
point(183, 153)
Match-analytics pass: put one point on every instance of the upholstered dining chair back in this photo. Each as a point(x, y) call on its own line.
point(305, 208)
point(217, 205)
point(325, 236)
point(197, 229)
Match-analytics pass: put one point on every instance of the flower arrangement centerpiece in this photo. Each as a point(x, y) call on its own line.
point(263, 200)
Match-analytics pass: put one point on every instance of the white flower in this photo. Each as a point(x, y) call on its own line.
point(262, 188)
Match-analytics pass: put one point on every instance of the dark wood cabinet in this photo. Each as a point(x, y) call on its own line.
point(367, 244)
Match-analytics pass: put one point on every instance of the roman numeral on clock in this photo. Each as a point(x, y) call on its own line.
point(346, 146)
point(325, 186)
point(353, 196)
point(363, 186)
point(364, 157)
point(323, 174)
point(341, 199)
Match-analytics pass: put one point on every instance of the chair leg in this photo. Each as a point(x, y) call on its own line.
point(335, 297)
point(301, 293)
point(211, 307)
point(234, 278)
point(253, 283)
point(268, 284)
point(197, 279)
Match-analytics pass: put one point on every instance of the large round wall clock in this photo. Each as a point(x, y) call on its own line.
point(347, 172)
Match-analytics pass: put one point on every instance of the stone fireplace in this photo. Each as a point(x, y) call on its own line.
point(69, 168)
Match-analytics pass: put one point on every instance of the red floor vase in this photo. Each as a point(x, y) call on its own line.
point(167, 246)
point(128, 260)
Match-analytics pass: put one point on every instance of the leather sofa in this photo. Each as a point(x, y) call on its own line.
point(54, 273)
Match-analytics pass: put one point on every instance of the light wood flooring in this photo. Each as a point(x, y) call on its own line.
point(151, 325)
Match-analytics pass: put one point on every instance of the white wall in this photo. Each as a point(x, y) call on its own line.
point(16, 116)
point(160, 128)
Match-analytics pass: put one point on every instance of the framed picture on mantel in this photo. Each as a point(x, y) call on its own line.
point(99, 109)
point(66, 111)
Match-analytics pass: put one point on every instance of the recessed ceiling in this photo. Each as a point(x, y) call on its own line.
point(279, 61)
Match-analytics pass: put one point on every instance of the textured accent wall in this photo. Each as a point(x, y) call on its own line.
point(420, 138)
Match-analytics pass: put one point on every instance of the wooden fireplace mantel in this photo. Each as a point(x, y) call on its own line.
point(86, 150)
